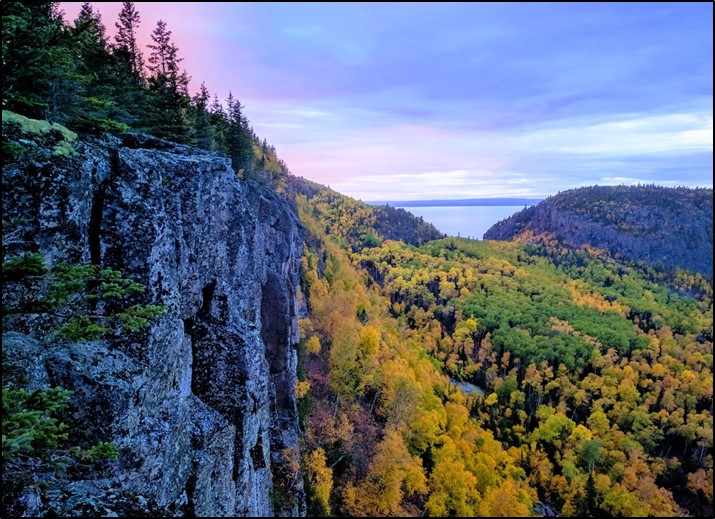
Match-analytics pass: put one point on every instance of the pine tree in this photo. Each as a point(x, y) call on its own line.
point(592, 496)
point(92, 63)
point(169, 88)
point(219, 125)
point(89, 27)
point(160, 50)
point(126, 46)
point(202, 119)
point(217, 107)
point(164, 61)
point(239, 141)
point(37, 63)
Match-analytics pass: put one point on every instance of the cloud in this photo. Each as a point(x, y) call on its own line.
point(436, 184)
point(428, 100)
point(630, 136)
point(417, 161)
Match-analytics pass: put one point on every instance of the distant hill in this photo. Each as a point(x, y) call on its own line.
point(361, 224)
point(664, 227)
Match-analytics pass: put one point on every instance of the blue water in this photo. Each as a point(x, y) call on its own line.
point(466, 221)
point(467, 388)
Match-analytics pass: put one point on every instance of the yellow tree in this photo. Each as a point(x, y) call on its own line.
point(505, 501)
point(453, 489)
point(393, 473)
point(320, 481)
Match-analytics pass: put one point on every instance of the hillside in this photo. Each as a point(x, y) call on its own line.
point(490, 378)
point(663, 227)
point(436, 377)
point(361, 224)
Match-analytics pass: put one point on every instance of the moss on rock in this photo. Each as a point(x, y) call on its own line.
point(38, 129)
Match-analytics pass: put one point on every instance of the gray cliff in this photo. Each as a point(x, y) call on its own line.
point(201, 405)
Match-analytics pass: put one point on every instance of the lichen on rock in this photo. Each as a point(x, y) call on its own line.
point(201, 405)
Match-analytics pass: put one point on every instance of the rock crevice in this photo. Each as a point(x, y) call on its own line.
point(202, 405)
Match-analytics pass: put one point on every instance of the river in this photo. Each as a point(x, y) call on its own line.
point(467, 387)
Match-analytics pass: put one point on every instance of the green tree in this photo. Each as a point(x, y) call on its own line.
point(238, 138)
point(168, 85)
point(219, 124)
point(38, 68)
point(102, 80)
point(28, 426)
point(126, 47)
point(201, 119)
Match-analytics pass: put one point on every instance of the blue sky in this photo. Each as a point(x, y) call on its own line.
point(461, 100)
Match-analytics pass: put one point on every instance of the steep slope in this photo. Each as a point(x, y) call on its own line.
point(659, 226)
point(201, 405)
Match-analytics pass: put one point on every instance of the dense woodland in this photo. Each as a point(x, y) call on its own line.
point(437, 376)
point(594, 379)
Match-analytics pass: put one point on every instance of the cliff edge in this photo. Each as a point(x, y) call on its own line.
point(201, 405)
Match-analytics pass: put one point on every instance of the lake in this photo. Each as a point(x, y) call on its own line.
point(469, 221)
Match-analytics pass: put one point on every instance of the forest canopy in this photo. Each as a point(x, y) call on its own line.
point(587, 381)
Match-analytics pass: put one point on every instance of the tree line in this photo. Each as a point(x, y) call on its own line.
point(76, 75)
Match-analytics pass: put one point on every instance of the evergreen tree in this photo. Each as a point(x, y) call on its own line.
point(38, 67)
point(111, 91)
point(92, 63)
point(219, 125)
point(160, 50)
point(201, 119)
point(164, 61)
point(592, 497)
point(126, 46)
point(88, 26)
point(239, 141)
point(217, 108)
point(169, 98)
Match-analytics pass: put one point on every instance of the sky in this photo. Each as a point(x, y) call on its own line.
point(417, 101)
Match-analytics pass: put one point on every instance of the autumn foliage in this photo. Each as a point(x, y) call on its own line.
point(594, 377)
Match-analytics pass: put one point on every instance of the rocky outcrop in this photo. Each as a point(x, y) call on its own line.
point(201, 405)
point(660, 226)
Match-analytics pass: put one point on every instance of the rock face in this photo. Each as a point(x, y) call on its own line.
point(669, 227)
point(202, 405)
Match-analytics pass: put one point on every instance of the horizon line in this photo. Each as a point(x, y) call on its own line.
point(493, 201)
